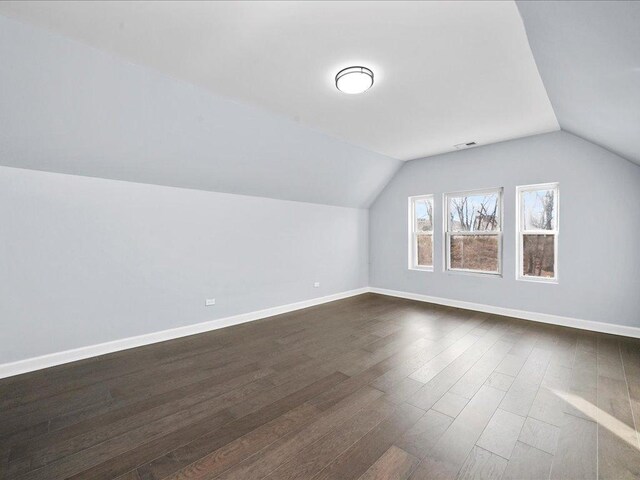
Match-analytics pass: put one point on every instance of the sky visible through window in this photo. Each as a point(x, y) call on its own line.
point(424, 215)
point(474, 212)
point(421, 209)
point(539, 209)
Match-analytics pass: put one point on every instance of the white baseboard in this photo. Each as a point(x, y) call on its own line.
point(510, 312)
point(58, 358)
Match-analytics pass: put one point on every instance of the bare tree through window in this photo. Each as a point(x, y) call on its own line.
point(474, 231)
point(538, 230)
point(421, 232)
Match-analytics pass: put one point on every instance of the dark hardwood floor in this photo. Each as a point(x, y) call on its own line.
point(370, 387)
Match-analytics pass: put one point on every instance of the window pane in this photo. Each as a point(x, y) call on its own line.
point(539, 210)
point(473, 213)
point(424, 215)
point(538, 256)
point(425, 250)
point(474, 252)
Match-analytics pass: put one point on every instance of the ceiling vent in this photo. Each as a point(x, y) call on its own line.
point(462, 146)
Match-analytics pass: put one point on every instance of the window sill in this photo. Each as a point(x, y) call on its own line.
point(552, 281)
point(421, 269)
point(474, 273)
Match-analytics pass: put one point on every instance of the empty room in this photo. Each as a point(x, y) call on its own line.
point(323, 240)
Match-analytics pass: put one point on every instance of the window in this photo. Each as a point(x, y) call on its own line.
point(473, 231)
point(537, 207)
point(421, 232)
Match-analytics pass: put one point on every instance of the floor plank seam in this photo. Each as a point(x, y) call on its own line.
point(626, 381)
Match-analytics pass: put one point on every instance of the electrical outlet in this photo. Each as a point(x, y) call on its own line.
point(316, 284)
point(209, 301)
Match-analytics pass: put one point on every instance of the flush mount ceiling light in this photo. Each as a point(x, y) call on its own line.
point(354, 80)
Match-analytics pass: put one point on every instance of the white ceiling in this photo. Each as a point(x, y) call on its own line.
point(68, 108)
point(446, 72)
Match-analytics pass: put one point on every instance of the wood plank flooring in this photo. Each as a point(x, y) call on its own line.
point(369, 387)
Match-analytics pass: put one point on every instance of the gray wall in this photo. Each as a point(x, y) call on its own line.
point(69, 108)
point(86, 260)
point(599, 257)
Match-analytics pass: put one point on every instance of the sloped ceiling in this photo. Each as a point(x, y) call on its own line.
point(446, 72)
point(238, 97)
point(588, 54)
point(68, 108)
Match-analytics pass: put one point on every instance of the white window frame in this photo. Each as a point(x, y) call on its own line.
point(413, 234)
point(448, 234)
point(521, 232)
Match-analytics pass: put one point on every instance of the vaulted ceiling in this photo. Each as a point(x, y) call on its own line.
point(588, 54)
point(239, 97)
point(446, 72)
point(69, 108)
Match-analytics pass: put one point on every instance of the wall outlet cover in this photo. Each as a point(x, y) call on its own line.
point(210, 301)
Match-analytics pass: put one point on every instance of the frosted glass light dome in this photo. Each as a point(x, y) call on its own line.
point(353, 80)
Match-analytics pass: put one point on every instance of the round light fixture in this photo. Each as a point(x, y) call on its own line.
point(354, 80)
